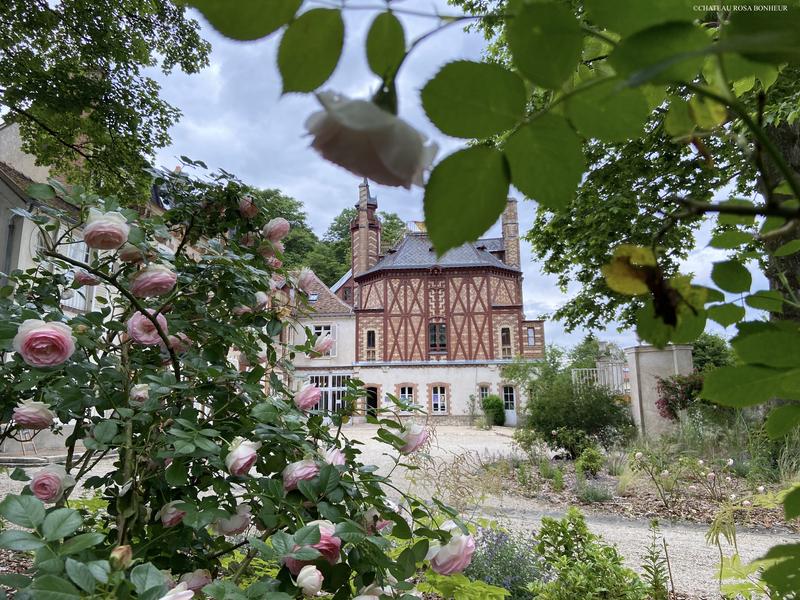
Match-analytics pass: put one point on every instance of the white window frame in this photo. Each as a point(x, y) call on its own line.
point(484, 388)
point(439, 400)
point(509, 400)
point(322, 329)
point(82, 299)
point(334, 388)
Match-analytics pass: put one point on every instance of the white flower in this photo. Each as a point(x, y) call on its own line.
point(369, 141)
point(729, 462)
point(637, 456)
point(761, 489)
point(309, 580)
point(179, 592)
point(746, 503)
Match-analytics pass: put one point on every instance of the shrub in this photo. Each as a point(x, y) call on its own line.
point(616, 462)
point(492, 407)
point(505, 559)
point(589, 493)
point(590, 462)
point(558, 480)
point(677, 393)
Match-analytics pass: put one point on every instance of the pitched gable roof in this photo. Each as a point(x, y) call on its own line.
point(326, 303)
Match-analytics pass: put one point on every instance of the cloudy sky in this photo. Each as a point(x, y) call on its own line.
point(234, 117)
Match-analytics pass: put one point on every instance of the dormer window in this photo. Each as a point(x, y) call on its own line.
point(313, 297)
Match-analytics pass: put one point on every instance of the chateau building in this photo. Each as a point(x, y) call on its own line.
point(433, 331)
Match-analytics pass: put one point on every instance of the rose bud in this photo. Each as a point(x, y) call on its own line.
point(369, 141)
point(323, 345)
point(295, 472)
point(170, 515)
point(196, 580)
point(179, 592)
point(82, 277)
point(179, 343)
point(329, 546)
point(276, 229)
point(309, 580)
point(142, 330)
point(49, 484)
point(155, 280)
point(455, 555)
point(241, 456)
point(305, 279)
point(43, 344)
point(105, 231)
point(121, 557)
point(236, 523)
point(334, 456)
point(414, 437)
point(247, 207)
point(307, 397)
point(30, 414)
point(139, 393)
point(130, 254)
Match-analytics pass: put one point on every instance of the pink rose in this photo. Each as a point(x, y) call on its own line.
point(455, 555)
point(82, 277)
point(170, 515)
point(179, 343)
point(242, 456)
point(130, 254)
point(236, 523)
point(414, 437)
point(43, 344)
point(369, 141)
point(295, 472)
point(329, 546)
point(307, 397)
point(334, 456)
point(121, 557)
point(155, 280)
point(323, 345)
point(139, 393)
point(305, 279)
point(269, 248)
point(309, 580)
point(196, 580)
point(142, 330)
point(274, 262)
point(105, 231)
point(242, 310)
point(30, 414)
point(373, 522)
point(247, 207)
point(178, 592)
point(49, 484)
point(276, 229)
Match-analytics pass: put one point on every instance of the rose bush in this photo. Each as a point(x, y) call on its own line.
point(216, 465)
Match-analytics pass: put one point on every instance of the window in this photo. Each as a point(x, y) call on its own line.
point(531, 336)
point(76, 300)
point(326, 330)
point(371, 354)
point(437, 337)
point(483, 391)
point(438, 399)
point(313, 297)
point(407, 393)
point(505, 342)
point(509, 397)
point(347, 294)
point(334, 388)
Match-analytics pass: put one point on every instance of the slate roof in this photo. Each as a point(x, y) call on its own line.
point(415, 251)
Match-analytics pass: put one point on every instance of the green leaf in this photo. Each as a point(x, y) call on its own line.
point(80, 574)
point(104, 431)
point(678, 122)
point(348, 531)
point(730, 239)
point(14, 580)
point(19, 474)
point(546, 41)
point(769, 300)
point(782, 576)
point(732, 219)
point(775, 348)
point(248, 19)
point(748, 385)
point(766, 36)
point(608, 111)
point(726, 314)
point(546, 161)
point(26, 511)
point(465, 195)
point(731, 276)
point(41, 191)
point(81, 542)
point(100, 569)
point(307, 536)
point(788, 248)
point(51, 587)
point(60, 523)
point(661, 54)
point(16, 539)
point(781, 420)
point(176, 473)
point(474, 100)
point(146, 577)
point(629, 16)
point(310, 49)
point(386, 45)
point(282, 542)
point(791, 504)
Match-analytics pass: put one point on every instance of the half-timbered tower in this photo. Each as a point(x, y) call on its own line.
point(435, 331)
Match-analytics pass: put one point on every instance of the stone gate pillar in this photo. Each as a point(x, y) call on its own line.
point(646, 364)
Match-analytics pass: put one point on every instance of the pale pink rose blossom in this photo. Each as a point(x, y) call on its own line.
point(179, 592)
point(323, 345)
point(414, 436)
point(373, 522)
point(242, 456)
point(369, 141)
point(105, 231)
point(248, 239)
point(746, 503)
point(274, 262)
point(49, 484)
point(140, 393)
point(248, 207)
point(43, 344)
point(329, 546)
point(295, 472)
point(179, 343)
point(307, 397)
point(242, 310)
point(82, 277)
point(309, 580)
point(455, 555)
point(170, 515)
point(276, 229)
point(196, 580)
point(121, 557)
point(334, 456)
point(130, 254)
point(236, 523)
point(155, 280)
point(268, 249)
point(305, 279)
point(30, 414)
point(142, 330)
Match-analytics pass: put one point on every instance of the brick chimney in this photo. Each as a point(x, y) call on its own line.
point(365, 232)
point(511, 234)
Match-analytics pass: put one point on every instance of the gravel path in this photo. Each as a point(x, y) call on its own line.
point(694, 562)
